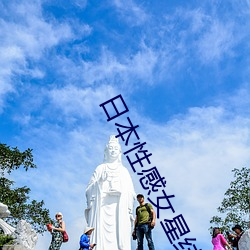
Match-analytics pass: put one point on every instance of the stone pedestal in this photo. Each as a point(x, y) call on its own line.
point(13, 247)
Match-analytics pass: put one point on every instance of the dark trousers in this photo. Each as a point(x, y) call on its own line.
point(142, 230)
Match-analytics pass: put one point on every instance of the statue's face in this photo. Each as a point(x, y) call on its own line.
point(113, 151)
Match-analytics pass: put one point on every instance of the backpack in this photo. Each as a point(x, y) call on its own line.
point(149, 212)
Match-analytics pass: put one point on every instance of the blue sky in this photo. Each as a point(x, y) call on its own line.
point(182, 68)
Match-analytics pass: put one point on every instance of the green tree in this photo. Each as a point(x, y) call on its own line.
point(17, 199)
point(235, 206)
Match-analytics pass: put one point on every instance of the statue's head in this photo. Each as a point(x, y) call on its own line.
point(112, 150)
point(4, 211)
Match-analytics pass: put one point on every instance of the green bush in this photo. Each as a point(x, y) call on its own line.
point(6, 240)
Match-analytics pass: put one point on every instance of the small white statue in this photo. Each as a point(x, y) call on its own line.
point(25, 235)
point(110, 197)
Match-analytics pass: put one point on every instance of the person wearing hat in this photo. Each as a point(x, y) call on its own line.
point(142, 226)
point(85, 239)
point(56, 231)
point(239, 231)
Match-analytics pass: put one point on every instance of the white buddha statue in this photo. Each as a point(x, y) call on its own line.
point(110, 197)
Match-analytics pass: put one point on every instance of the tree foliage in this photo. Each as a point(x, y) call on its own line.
point(235, 206)
point(6, 239)
point(11, 159)
point(17, 199)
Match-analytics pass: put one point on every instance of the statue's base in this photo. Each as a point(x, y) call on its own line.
point(13, 247)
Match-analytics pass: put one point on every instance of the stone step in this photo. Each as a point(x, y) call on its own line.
point(12, 247)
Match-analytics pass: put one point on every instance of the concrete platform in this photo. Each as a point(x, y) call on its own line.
point(13, 247)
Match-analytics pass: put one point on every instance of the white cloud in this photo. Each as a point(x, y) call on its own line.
point(143, 63)
point(217, 42)
point(25, 35)
point(198, 19)
point(122, 71)
point(131, 12)
point(240, 101)
point(32, 33)
point(10, 58)
point(80, 3)
point(81, 102)
point(106, 68)
point(199, 33)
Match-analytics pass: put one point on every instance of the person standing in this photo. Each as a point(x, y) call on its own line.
point(218, 240)
point(56, 231)
point(85, 239)
point(141, 225)
point(238, 230)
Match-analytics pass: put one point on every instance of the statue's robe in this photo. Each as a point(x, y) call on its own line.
point(110, 198)
point(244, 242)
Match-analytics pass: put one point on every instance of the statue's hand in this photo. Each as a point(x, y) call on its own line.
point(104, 175)
point(132, 217)
point(90, 202)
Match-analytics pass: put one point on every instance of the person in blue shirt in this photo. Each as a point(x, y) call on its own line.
point(85, 239)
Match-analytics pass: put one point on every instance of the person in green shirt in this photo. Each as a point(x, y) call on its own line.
point(142, 226)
